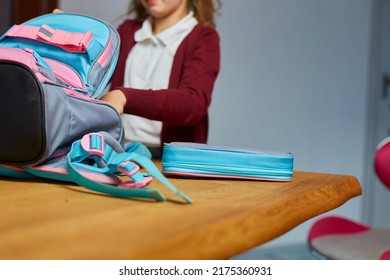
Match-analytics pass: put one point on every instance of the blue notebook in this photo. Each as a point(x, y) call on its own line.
point(202, 160)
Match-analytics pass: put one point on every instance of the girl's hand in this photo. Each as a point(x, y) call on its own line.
point(116, 98)
point(57, 11)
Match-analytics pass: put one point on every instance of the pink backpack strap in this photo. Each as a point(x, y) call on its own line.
point(69, 41)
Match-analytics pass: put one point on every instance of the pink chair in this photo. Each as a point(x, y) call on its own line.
point(339, 238)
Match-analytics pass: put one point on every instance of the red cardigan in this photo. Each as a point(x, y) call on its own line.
point(183, 107)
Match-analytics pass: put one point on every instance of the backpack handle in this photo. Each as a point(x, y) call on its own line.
point(74, 42)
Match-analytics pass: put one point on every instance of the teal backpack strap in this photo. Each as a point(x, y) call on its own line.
point(100, 153)
point(148, 164)
point(13, 171)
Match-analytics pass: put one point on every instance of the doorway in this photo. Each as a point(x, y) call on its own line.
point(376, 196)
point(18, 11)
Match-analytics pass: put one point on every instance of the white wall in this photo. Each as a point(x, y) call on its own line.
point(110, 11)
point(294, 77)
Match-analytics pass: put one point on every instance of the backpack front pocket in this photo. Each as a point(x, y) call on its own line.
point(22, 111)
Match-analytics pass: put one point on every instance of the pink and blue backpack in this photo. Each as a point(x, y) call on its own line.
point(53, 70)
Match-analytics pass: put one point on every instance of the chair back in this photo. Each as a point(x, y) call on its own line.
point(382, 162)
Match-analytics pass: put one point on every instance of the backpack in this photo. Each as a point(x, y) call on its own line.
point(53, 70)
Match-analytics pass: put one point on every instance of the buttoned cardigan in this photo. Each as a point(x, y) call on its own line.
point(183, 107)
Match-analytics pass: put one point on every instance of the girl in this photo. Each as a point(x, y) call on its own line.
point(168, 63)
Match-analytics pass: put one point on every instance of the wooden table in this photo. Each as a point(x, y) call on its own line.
point(50, 220)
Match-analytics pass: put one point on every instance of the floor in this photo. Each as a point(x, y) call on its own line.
point(291, 252)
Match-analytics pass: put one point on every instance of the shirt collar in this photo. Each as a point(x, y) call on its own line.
point(168, 35)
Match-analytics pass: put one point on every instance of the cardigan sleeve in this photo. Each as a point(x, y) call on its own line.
point(195, 68)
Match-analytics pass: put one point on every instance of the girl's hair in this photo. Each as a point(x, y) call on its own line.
point(204, 10)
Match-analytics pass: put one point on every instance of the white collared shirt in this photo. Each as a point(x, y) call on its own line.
point(148, 66)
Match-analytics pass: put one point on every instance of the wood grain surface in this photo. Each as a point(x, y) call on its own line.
point(51, 220)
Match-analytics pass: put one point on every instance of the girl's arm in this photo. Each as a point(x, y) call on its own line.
point(187, 101)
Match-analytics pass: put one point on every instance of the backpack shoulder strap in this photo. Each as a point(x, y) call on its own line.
point(101, 153)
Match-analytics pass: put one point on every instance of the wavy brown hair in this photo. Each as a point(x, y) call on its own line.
point(204, 10)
